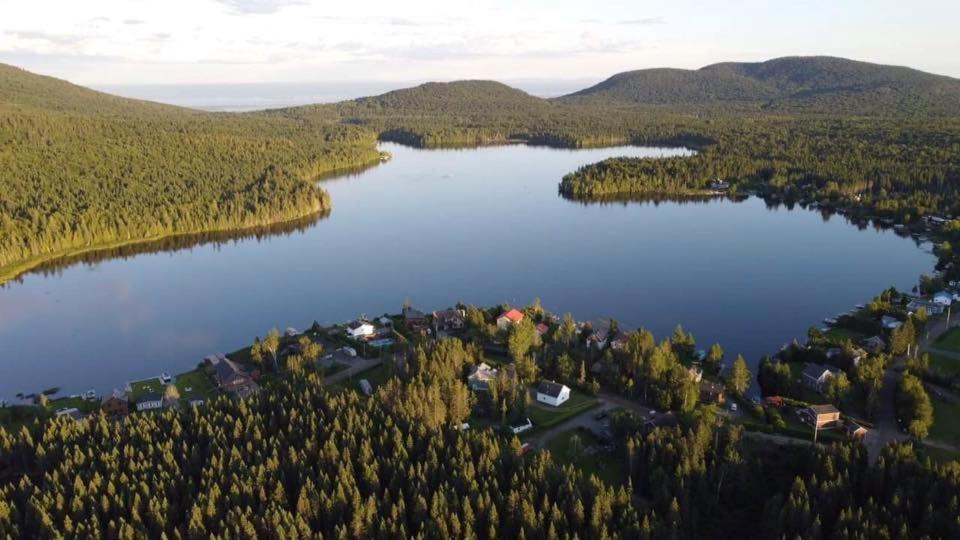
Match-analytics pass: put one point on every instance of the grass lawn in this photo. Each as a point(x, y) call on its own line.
point(944, 365)
point(197, 380)
point(946, 427)
point(376, 375)
point(949, 341)
point(85, 406)
point(496, 360)
point(941, 455)
point(838, 335)
point(544, 416)
point(607, 466)
point(138, 388)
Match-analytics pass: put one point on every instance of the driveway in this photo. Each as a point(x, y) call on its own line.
point(606, 402)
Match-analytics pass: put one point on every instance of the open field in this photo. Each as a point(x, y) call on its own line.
point(607, 466)
point(544, 416)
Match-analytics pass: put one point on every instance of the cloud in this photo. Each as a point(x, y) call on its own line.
point(133, 21)
point(56, 39)
point(648, 21)
point(258, 7)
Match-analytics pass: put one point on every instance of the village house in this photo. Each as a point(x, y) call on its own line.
point(719, 185)
point(932, 308)
point(414, 319)
point(821, 416)
point(116, 404)
point(695, 373)
point(360, 328)
point(552, 393)
point(480, 377)
point(449, 320)
point(599, 334)
point(890, 323)
point(816, 375)
point(619, 340)
point(943, 298)
point(711, 392)
point(874, 344)
point(854, 430)
point(542, 329)
point(230, 378)
point(149, 401)
point(509, 318)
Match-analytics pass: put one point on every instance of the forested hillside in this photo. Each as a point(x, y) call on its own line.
point(81, 170)
point(820, 85)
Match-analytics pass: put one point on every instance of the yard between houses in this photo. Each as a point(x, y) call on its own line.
point(949, 341)
point(376, 375)
point(138, 388)
point(839, 335)
point(591, 458)
point(195, 382)
point(945, 427)
point(544, 416)
point(945, 366)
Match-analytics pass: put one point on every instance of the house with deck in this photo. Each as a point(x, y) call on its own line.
point(821, 416)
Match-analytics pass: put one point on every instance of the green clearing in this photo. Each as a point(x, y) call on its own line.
point(607, 466)
point(944, 365)
point(949, 341)
point(195, 382)
point(85, 406)
point(138, 388)
point(376, 375)
point(544, 416)
point(838, 335)
point(945, 427)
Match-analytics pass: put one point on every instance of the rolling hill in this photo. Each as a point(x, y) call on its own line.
point(793, 84)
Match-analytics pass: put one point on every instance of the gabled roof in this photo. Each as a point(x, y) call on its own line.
point(550, 388)
point(815, 371)
point(542, 328)
point(358, 323)
point(824, 409)
point(150, 396)
point(117, 394)
point(513, 314)
point(225, 369)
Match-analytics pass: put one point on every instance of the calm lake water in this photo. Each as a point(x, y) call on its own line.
point(439, 226)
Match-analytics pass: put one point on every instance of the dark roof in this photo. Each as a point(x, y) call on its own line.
point(448, 315)
point(412, 314)
point(225, 369)
point(150, 396)
point(358, 323)
point(550, 388)
point(814, 371)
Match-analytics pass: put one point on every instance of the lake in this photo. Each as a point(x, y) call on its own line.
point(481, 226)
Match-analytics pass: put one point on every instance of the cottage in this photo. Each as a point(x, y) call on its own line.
point(509, 318)
point(365, 387)
point(480, 377)
point(116, 404)
point(719, 185)
point(552, 393)
point(72, 413)
point(360, 328)
point(890, 323)
point(230, 378)
point(816, 375)
point(414, 319)
point(599, 334)
point(821, 416)
point(449, 320)
point(874, 344)
point(522, 427)
point(854, 430)
point(711, 392)
point(695, 373)
point(150, 401)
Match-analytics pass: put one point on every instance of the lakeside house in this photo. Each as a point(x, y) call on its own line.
point(874, 344)
point(509, 318)
point(150, 401)
point(230, 378)
point(414, 319)
point(599, 334)
point(821, 416)
point(942, 298)
point(816, 375)
point(360, 328)
point(890, 323)
point(711, 392)
point(552, 393)
point(449, 320)
point(719, 185)
point(116, 404)
point(72, 413)
point(480, 377)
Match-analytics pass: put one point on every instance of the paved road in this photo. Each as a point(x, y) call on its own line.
point(586, 419)
point(885, 430)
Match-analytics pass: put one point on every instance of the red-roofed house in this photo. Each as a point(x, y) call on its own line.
point(509, 317)
point(542, 329)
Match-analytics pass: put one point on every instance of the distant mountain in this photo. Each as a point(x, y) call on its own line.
point(802, 84)
point(23, 88)
point(455, 97)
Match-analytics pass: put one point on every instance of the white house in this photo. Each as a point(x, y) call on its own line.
point(943, 298)
point(890, 323)
point(522, 427)
point(552, 393)
point(150, 401)
point(360, 328)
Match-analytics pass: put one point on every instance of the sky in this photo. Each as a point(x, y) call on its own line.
point(131, 42)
